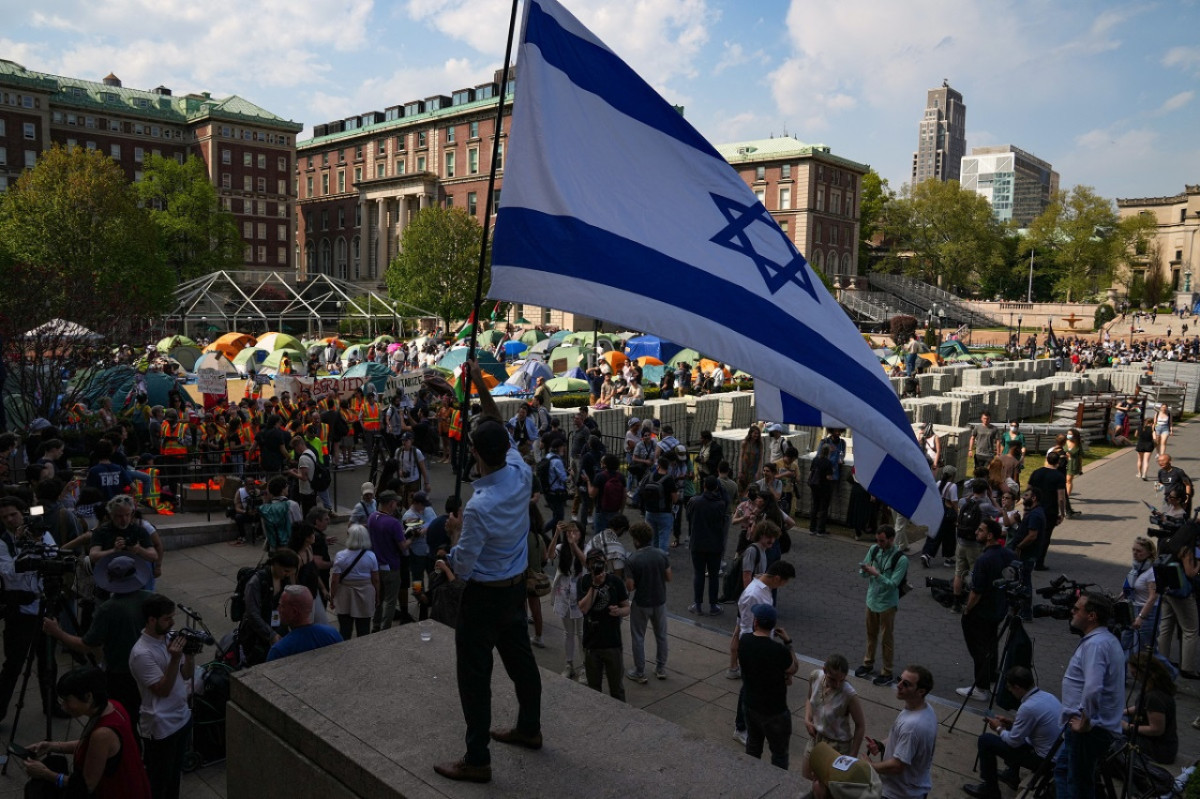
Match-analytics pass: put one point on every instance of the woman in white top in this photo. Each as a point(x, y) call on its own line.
point(1141, 592)
point(832, 707)
point(354, 583)
point(570, 559)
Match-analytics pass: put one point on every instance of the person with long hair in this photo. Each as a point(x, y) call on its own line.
point(1145, 447)
point(1141, 591)
point(565, 545)
point(1074, 450)
point(750, 462)
point(833, 706)
point(107, 763)
point(1162, 427)
point(1153, 722)
point(308, 573)
point(260, 628)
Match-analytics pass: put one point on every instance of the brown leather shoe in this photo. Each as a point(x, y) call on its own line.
point(464, 772)
point(518, 738)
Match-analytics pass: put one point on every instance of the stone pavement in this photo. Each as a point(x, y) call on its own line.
point(822, 610)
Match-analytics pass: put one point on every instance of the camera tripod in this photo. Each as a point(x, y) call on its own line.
point(50, 605)
point(1012, 631)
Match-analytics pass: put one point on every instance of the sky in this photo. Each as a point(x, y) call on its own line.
point(1104, 91)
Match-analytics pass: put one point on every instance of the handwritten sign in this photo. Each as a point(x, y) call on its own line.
point(341, 386)
point(407, 384)
point(211, 381)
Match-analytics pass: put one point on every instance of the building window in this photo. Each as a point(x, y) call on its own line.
point(281, 163)
point(356, 252)
point(29, 130)
point(760, 173)
point(450, 164)
point(262, 254)
point(115, 151)
point(324, 159)
point(308, 186)
point(783, 225)
point(785, 172)
point(341, 181)
point(382, 147)
point(358, 216)
point(262, 184)
point(473, 161)
point(450, 135)
point(471, 203)
point(226, 180)
point(500, 158)
point(820, 199)
point(817, 233)
point(324, 220)
point(281, 232)
point(449, 200)
point(341, 218)
point(3, 156)
point(281, 257)
point(138, 154)
point(262, 161)
point(281, 186)
point(399, 166)
point(137, 176)
point(247, 159)
point(420, 138)
point(761, 194)
point(2, 128)
point(381, 169)
point(247, 183)
point(785, 199)
point(248, 253)
point(420, 163)
point(325, 184)
point(247, 230)
point(357, 175)
point(816, 260)
point(226, 156)
point(833, 234)
point(473, 129)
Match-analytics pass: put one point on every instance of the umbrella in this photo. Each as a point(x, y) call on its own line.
point(216, 360)
point(186, 356)
point(171, 342)
point(490, 338)
point(559, 385)
point(532, 337)
point(250, 357)
point(487, 362)
point(393, 347)
point(514, 348)
point(649, 360)
point(280, 341)
point(615, 359)
point(271, 362)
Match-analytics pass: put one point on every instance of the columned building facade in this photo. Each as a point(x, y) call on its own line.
point(1175, 249)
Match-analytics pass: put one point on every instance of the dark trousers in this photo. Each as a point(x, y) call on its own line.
point(1077, 763)
point(557, 502)
point(980, 636)
point(605, 664)
point(123, 688)
point(164, 762)
point(775, 728)
point(992, 747)
point(821, 495)
point(1044, 541)
point(307, 502)
point(710, 563)
point(945, 539)
point(348, 625)
point(494, 618)
point(20, 633)
point(418, 569)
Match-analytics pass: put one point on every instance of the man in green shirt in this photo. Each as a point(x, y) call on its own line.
point(885, 567)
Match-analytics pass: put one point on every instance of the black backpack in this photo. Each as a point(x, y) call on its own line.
point(969, 519)
point(650, 497)
point(237, 602)
point(320, 478)
point(544, 477)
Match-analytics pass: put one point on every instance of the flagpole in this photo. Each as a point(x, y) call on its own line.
point(483, 246)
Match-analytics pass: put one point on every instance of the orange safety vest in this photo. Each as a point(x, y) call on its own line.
point(325, 439)
point(154, 498)
point(370, 416)
point(171, 443)
point(455, 426)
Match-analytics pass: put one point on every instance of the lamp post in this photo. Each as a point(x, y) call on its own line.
point(1020, 319)
point(941, 314)
point(338, 330)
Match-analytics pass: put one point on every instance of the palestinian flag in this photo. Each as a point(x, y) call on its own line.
point(467, 328)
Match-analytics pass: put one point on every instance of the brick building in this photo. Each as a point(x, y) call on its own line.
point(250, 153)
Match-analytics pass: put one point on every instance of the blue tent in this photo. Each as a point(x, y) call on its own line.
point(525, 378)
point(576, 373)
point(651, 346)
point(376, 373)
point(117, 381)
point(652, 374)
point(514, 348)
point(506, 390)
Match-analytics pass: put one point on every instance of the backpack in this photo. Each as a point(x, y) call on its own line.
point(545, 477)
point(277, 523)
point(731, 585)
point(237, 602)
point(320, 478)
point(969, 519)
point(905, 586)
point(612, 493)
point(650, 497)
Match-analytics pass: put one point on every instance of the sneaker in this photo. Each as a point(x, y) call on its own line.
point(694, 609)
point(538, 642)
point(925, 561)
point(863, 671)
point(971, 692)
point(569, 672)
point(740, 736)
point(948, 563)
point(660, 673)
point(715, 610)
point(883, 679)
point(637, 677)
point(733, 674)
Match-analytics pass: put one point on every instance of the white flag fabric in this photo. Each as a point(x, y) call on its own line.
point(615, 207)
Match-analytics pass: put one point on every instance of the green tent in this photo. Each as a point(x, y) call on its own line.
point(250, 357)
point(171, 342)
point(376, 373)
point(586, 337)
point(271, 363)
point(487, 362)
point(558, 385)
point(280, 341)
point(490, 338)
point(532, 337)
point(383, 340)
point(186, 355)
point(562, 358)
point(691, 356)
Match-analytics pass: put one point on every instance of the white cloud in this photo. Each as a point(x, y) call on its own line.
point(1186, 58)
point(1126, 142)
point(1176, 102)
point(732, 55)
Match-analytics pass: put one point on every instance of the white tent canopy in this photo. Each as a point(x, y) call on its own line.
point(61, 328)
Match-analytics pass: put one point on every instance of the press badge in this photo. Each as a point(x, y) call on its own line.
point(275, 618)
point(844, 762)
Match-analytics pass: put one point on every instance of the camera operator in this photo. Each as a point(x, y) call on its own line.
point(1023, 540)
point(985, 608)
point(163, 666)
point(1092, 698)
point(122, 534)
point(23, 606)
point(1023, 741)
point(1178, 609)
point(603, 601)
point(1173, 515)
point(972, 510)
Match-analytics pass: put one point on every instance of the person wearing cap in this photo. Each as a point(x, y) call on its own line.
point(775, 444)
point(603, 601)
point(761, 591)
point(491, 554)
point(416, 521)
point(116, 626)
point(391, 548)
point(365, 506)
point(768, 661)
point(164, 672)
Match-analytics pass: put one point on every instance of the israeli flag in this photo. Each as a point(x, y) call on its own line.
point(615, 207)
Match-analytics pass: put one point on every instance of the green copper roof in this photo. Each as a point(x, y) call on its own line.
point(774, 149)
point(390, 124)
point(182, 109)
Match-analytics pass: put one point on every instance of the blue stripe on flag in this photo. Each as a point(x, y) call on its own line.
point(796, 411)
point(901, 483)
point(567, 246)
point(601, 73)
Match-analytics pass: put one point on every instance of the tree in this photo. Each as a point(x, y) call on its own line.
point(1083, 240)
point(437, 263)
point(872, 206)
point(903, 328)
point(197, 236)
point(74, 245)
point(943, 234)
point(1155, 285)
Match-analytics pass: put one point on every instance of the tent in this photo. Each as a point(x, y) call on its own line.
point(490, 338)
point(532, 337)
point(576, 372)
point(542, 347)
point(356, 351)
point(562, 358)
point(653, 346)
point(250, 357)
point(337, 342)
point(689, 355)
point(614, 359)
point(61, 328)
point(171, 342)
point(490, 381)
point(376, 373)
point(271, 362)
point(649, 360)
point(563, 384)
point(586, 337)
point(117, 383)
point(383, 340)
point(234, 342)
point(487, 362)
point(216, 360)
point(652, 375)
point(526, 375)
point(186, 355)
point(558, 336)
point(514, 348)
point(279, 341)
point(505, 390)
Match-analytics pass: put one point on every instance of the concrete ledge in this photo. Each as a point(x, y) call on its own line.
point(372, 717)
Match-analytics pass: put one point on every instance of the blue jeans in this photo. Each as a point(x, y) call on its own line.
point(662, 522)
point(1078, 762)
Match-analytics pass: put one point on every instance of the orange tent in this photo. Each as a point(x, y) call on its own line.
point(335, 341)
point(231, 344)
point(615, 359)
point(649, 360)
point(707, 365)
point(489, 381)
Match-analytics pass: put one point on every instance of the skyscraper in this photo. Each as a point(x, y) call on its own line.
point(942, 141)
point(1017, 184)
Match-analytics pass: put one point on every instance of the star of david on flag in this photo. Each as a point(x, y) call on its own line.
point(615, 207)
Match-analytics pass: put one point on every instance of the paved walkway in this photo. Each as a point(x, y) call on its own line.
point(822, 610)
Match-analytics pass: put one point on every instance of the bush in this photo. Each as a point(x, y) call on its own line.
point(1104, 314)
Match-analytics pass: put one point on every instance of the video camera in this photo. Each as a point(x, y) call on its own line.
point(45, 559)
point(941, 589)
point(1061, 593)
point(195, 640)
